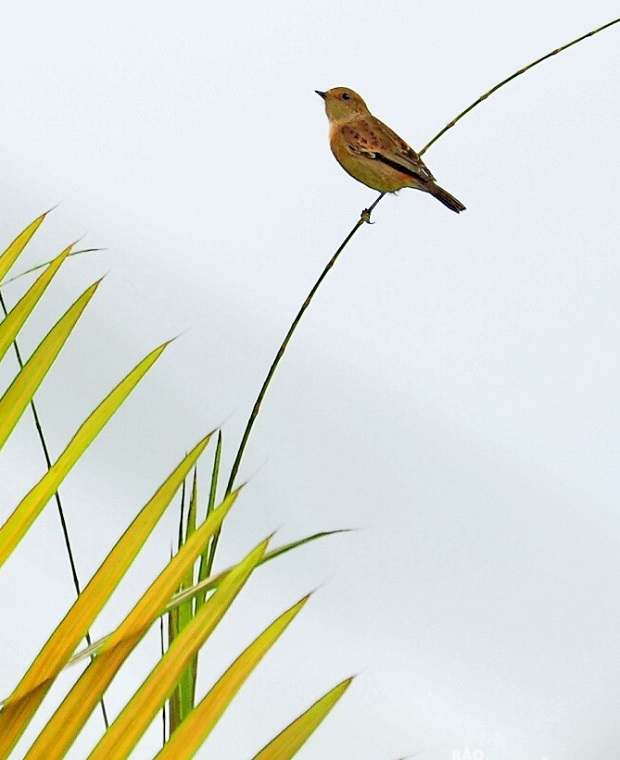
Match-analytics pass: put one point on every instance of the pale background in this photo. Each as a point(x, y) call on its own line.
point(453, 391)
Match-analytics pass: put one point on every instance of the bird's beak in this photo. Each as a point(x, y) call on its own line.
point(322, 94)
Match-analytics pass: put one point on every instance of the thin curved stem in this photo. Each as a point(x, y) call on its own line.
point(514, 76)
point(366, 218)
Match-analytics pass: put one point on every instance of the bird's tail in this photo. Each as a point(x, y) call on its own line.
point(448, 200)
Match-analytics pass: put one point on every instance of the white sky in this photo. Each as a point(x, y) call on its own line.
point(453, 391)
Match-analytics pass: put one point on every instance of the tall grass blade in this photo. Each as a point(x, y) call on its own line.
point(12, 253)
point(295, 735)
point(186, 741)
point(20, 707)
point(16, 318)
point(123, 735)
point(29, 508)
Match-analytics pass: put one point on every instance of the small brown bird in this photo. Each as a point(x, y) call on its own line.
point(372, 153)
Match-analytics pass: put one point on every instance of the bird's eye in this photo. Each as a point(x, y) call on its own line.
point(346, 96)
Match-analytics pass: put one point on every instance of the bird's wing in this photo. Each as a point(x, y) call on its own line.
point(377, 141)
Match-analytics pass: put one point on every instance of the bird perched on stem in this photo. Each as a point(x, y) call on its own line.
point(372, 153)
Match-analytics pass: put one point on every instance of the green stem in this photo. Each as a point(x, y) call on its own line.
point(365, 217)
point(514, 76)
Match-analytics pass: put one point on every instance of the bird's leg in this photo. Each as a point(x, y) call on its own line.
point(365, 215)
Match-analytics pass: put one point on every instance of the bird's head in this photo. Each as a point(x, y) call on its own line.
point(342, 103)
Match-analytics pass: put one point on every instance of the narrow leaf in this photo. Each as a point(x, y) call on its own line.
point(10, 256)
point(15, 320)
point(43, 264)
point(123, 735)
point(212, 582)
point(295, 735)
point(199, 589)
point(26, 698)
point(31, 505)
point(182, 698)
point(206, 560)
point(77, 706)
point(19, 394)
point(188, 738)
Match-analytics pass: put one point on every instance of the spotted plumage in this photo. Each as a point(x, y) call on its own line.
point(374, 154)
